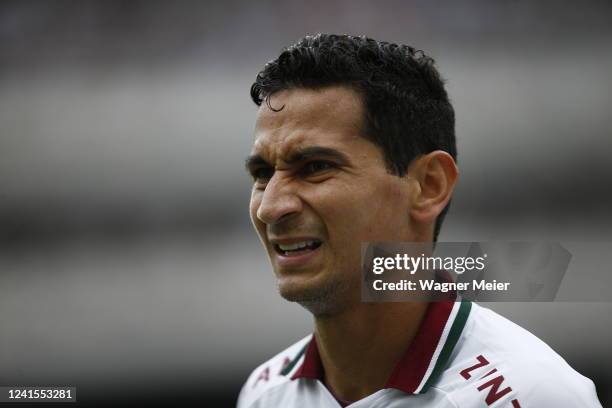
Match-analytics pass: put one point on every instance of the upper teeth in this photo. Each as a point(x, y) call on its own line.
point(297, 245)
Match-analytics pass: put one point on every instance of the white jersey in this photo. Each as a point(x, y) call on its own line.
point(463, 356)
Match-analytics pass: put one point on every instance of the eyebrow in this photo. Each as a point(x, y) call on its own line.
point(300, 155)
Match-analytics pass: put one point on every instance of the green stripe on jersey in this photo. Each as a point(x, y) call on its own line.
point(451, 341)
point(292, 364)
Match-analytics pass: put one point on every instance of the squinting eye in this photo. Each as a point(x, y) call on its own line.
point(263, 173)
point(317, 166)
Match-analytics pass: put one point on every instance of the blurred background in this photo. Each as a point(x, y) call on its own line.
point(128, 266)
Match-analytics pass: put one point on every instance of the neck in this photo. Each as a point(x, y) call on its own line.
point(359, 348)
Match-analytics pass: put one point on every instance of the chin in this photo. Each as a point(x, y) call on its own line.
point(320, 298)
point(296, 289)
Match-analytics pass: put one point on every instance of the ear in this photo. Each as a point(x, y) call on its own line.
point(436, 174)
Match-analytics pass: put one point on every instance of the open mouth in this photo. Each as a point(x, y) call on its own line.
point(297, 248)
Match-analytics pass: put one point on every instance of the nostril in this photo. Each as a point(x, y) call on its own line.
point(273, 211)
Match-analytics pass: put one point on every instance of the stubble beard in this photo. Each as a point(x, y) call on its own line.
point(323, 300)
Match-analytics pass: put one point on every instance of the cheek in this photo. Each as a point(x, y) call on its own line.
point(371, 212)
point(391, 213)
point(348, 211)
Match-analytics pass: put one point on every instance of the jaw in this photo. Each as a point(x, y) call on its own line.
point(324, 292)
point(319, 297)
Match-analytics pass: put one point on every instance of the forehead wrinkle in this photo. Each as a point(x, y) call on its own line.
point(278, 148)
point(332, 105)
point(307, 116)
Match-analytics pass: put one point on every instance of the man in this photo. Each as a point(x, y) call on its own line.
point(354, 142)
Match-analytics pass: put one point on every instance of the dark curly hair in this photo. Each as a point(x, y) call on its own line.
point(408, 112)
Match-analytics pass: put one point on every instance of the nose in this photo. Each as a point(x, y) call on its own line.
point(279, 202)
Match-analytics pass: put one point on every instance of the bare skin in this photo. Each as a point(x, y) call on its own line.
point(377, 333)
point(319, 183)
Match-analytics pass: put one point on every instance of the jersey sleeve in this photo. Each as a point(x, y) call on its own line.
point(501, 364)
point(270, 374)
point(578, 391)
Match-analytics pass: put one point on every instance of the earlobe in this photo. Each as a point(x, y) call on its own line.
point(436, 174)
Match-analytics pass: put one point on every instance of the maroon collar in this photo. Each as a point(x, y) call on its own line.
point(312, 367)
point(425, 357)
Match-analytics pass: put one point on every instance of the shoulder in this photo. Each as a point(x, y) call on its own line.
point(497, 360)
point(272, 373)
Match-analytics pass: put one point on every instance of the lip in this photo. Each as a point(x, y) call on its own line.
point(291, 240)
point(302, 259)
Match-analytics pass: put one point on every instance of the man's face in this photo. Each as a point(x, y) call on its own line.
point(320, 190)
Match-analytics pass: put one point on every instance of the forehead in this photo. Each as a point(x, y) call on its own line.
point(330, 116)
